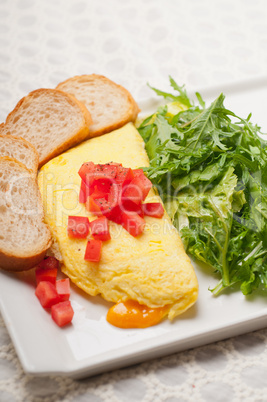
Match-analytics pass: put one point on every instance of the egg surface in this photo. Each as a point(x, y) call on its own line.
point(153, 268)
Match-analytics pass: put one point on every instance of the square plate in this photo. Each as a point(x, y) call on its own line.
point(91, 345)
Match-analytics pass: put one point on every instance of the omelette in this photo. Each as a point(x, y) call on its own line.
point(151, 270)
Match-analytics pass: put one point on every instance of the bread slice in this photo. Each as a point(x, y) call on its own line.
point(111, 106)
point(51, 120)
point(19, 149)
point(24, 237)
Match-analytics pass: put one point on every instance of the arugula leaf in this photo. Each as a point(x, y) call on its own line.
point(210, 167)
point(182, 97)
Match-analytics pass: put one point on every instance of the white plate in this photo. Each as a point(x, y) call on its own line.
point(90, 345)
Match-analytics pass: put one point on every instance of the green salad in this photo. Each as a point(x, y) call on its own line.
point(210, 168)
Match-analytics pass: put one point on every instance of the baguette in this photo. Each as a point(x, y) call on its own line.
point(24, 237)
point(51, 120)
point(111, 106)
point(20, 149)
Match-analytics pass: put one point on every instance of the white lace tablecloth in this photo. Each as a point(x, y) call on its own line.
point(201, 44)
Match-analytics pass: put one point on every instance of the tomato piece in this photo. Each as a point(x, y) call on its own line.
point(93, 250)
point(143, 183)
point(63, 289)
point(138, 172)
point(133, 223)
point(49, 262)
point(114, 197)
point(84, 193)
point(115, 214)
point(78, 227)
point(46, 270)
point(105, 173)
point(114, 164)
point(133, 192)
point(124, 175)
point(103, 186)
point(104, 206)
point(86, 172)
point(62, 313)
point(131, 207)
point(100, 229)
point(154, 209)
point(45, 274)
point(101, 189)
point(93, 206)
point(47, 294)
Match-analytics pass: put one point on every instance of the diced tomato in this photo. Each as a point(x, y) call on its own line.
point(107, 171)
point(116, 193)
point(45, 274)
point(63, 289)
point(93, 206)
point(85, 191)
point(101, 190)
point(103, 186)
point(104, 174)
point(114, 197)
point(78, 227)
point(138, 172)
point(133, 192)
point(93, 250)
point(100, 229)
point(114, 164)
point(133, 223)
point(154, 209)
point(131, 207)
point(143, 183)
point(62, 313)
point(86, 172)
point(47, 294)
point(104, 206)
point(49, 262)
point(115, 214)
point(124, 176)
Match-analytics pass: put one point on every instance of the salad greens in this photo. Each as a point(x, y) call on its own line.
point(210, 168)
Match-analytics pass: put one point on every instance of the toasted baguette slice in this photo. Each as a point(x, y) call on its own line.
point(19, 149)
point(51, 120)
point(24, 237)
point(111, 106)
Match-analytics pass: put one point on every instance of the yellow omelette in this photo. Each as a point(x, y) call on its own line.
point(151, 269)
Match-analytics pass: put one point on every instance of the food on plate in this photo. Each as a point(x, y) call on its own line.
point(51, 120)
point(53, 294)
point(211, 166)
point(63, 289)
point(47, 270)
point(62, 313)
point(151, 269)
point(47, 294)
point(24, 237)
point(117, 194)
point(19, 149)
point(110, 104)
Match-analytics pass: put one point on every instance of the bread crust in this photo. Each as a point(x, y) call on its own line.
point(20, 139)
point(77, 137)
point(11, 262)
point(16, 264)
point(129, 116)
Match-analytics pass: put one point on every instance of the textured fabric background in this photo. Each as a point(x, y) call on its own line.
point(201, 44)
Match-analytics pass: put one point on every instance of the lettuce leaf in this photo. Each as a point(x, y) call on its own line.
point(210, 168)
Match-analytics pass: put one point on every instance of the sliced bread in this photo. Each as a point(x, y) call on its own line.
point(111, 106)
point(24, 237)
point(51, 120)
point(19, 149)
